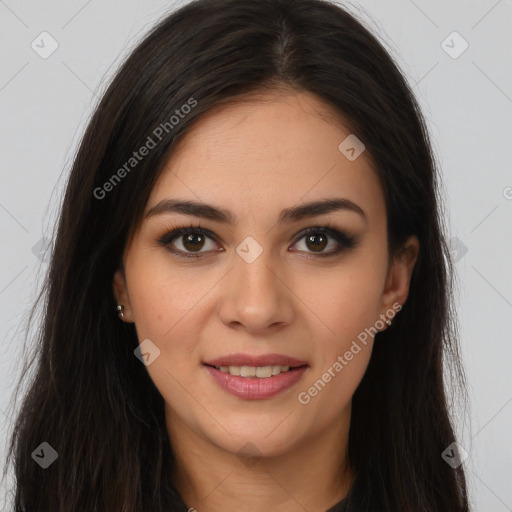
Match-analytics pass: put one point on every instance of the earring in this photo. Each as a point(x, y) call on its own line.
point(388, 320)
point(120, 308)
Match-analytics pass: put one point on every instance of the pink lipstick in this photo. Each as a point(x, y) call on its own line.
point(256, 377)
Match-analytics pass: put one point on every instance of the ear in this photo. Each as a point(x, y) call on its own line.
point(396, 289)
point(121, 294)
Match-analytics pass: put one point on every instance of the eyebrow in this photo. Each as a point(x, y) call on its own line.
point(288, 215)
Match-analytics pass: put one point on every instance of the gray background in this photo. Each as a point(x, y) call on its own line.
point(467, 101)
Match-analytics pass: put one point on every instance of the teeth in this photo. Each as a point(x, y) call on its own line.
point(264, 372)
point(247, 371)
point(261, 372)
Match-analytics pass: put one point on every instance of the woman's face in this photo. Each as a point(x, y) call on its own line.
point(253, 286)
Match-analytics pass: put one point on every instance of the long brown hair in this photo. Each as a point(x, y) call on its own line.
point(93, 402)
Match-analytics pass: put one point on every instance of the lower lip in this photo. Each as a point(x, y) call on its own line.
point(253, 388)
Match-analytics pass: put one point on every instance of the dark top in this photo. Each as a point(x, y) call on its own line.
point(358, 493)
point(341, 506)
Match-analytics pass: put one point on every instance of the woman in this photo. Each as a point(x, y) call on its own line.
point(256, 198)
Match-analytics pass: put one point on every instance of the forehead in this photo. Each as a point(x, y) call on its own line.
point(268, 151)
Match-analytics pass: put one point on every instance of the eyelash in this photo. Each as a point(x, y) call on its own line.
point(345, 241)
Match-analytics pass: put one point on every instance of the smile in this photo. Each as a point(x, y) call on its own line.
point(261, 372)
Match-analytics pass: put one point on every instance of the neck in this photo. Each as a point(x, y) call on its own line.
point(314, 475)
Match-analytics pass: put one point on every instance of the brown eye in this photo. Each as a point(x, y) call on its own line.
point(316, 242)
point(319, 238)
point(189, 242)
point(193, 242)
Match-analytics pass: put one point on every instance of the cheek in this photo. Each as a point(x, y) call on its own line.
point(343, 350)
point(347, 304)
point(347, 301)
point(164, 302)
point(329, 393)
point(163, 296)
point(346, 348)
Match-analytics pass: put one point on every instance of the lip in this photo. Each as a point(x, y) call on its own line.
point(254, 388)
point(253, 360)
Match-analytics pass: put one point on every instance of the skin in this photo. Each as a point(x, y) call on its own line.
point(256, 158)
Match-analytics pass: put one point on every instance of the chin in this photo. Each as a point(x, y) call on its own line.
point(262, 439)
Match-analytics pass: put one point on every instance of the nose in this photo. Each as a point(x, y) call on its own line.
point(256, 297)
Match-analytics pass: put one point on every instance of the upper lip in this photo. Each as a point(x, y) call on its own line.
point(251, 360)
